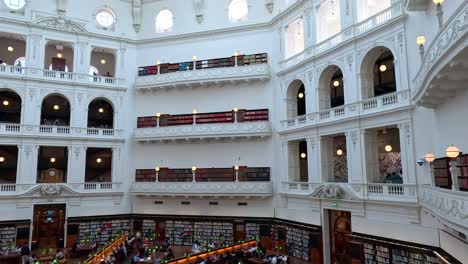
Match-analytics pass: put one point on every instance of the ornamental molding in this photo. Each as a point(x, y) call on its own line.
point(446, 204)
point(335, 191)
point(263, 189)
point(59, 23)
point(201, 131)
point(49, 190)
point(203, 77)
point(454, 32)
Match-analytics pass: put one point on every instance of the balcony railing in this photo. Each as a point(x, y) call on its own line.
point(203, 175)
point(394, 12)
point(87, 187)
point(386, 102)
point(370, 191)
point(34, 73)
point(60, 131)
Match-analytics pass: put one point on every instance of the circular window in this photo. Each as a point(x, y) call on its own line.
point(14, 4)
point(238, 10)
point(105, 18)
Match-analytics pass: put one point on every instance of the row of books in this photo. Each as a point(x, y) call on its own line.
point(381, 254)
point(203, 64)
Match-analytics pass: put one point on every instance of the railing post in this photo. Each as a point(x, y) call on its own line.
point(385, 189)
point(453, 173)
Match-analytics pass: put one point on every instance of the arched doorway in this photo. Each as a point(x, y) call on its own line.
point(100, 114)
point(55, 111)
point(10, 107)
point(378, 73)
point(296, 99)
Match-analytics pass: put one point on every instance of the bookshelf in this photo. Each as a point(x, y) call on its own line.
point(100, 231)
point(462, 166)
point(8, 237)
point(149, 229)
point(252, 230)
point(243, 115)
point(442, 173)
point(203, 174)
point(297, 243)
point(203, 64)
point(179, 232)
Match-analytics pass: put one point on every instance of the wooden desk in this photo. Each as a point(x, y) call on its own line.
point(205, 255)
point(106, 251)
point(14, 258)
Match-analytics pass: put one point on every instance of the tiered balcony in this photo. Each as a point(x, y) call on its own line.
point(379, 20)
point(246, 181)
point(65, 189)
point(384, 103)
point(219, 71)
point(352, 191)
point(60, 76)
point(218, 125)
point(20, 130)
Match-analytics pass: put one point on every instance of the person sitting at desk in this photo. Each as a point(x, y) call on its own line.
point(211, 245)
point(170, 254)
point(60, 256)
point(196, 247)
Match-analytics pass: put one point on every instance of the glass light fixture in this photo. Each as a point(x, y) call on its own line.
point(194, 111)
point(194, 58)
point(158, 62)
point(158, 114)
point(300, 95)
point(303, 155)
point(157, 169)
point(236, 168)
point(339, 152)
point(236, 109)
point(421, 40)
point(438, 2)
point(388, 148)
point(56, 107)
point(2, 159)
point(383, 68)
point(52, 160)
point(101, 110)
point(452, 152)
point(430, 157)
point(236, 53)
point(98, 160)
point(103, 61)
point(194, 168)
point(59, 55)
point(10, 48)
point(336, 83)
point(6, 103)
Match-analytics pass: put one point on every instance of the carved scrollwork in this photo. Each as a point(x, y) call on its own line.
point(49, 190)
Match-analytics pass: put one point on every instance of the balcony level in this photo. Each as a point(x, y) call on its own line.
point(12, 190)
point(239, 123)
point(43, 131)
point(386, 17)
point(204, 182)
point(203, 73)
point(352, 191)
point(385, 103)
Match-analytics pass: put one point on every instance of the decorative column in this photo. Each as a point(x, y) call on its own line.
point(313, 160)
point(284, 152)
point(35, 50)
point(116, 164)
point(76, 164)
point(81, 56)
point(407, 152)
point(309, 22)
point(347, 13)
point(27, 164)
point(354, 156)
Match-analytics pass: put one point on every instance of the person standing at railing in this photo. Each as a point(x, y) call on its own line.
point(19, 65)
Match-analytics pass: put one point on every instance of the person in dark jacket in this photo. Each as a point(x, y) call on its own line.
point(25, 252)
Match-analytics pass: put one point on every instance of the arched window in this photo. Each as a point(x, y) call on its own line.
point(294, 35)
point(331, 88)
point(14, 4)
point(328, 19)
point(238, 10)
point(20, 62)
point(164, 21)
point(93, 70)
point(105, 18)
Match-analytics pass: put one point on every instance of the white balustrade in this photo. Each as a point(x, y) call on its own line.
point(96, 186)
point(27, 130)
point(385, 191)
point(7, 188)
